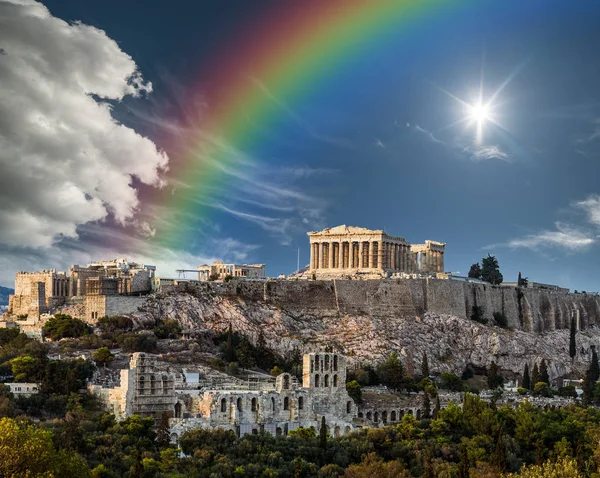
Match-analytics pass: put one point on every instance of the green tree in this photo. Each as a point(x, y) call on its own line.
point(436, 409)
point(323, 434)
point(27, 451)
point(494, 379)
point(354, 390)
point(490, 270)
point(275, 371)
point(572, 343)
point(535, 375)
point(475, 271)
point(373, 466)
point(163, 432)
point(563, 468)
point(426, 404)
point(499, 454)
point(526, 379)
point(588, 388)
point(594, 366)
point(62, 326)
point(542, 389)
point(391, 372)
point(26, 369)
point(544, 376)
point(425, 366)
point(230, 350)
point(452, 382)
point(501, 319)
point(103, 355)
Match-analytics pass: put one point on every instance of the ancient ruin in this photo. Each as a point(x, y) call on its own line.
point(219, 271)
point(348, 250)
point(278, 405)
point(98, 286)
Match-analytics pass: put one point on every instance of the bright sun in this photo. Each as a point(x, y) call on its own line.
point(480, 112)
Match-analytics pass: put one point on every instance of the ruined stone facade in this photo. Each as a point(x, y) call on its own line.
point(219, 271)
point(37, 293)
point(151, 387)
point(347, 250)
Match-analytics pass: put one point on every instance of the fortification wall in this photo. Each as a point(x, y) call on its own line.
point(97, 306)
point(531, 310)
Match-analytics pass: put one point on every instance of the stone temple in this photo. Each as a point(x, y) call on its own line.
point(348, 250)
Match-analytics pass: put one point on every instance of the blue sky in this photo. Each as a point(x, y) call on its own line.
point(370, 145)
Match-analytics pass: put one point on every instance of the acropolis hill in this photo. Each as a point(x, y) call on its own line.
point(367, 320)
point(406, 306)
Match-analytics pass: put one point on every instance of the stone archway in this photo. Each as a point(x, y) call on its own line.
point(178, 408)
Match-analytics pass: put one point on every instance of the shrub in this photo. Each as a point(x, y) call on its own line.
point(61, 326)
point(167, 329)
point(477, 314)
point(217, 364)
point(467, 374)
point(452, 382)
point(354, 390)
point(501, 319)
point(137, 342)
point(115, 323)
point(542, 389)
point(568, 391)
point(522, 391)
point(277, 370)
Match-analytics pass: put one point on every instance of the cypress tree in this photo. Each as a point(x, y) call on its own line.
point(588, 388)
point(544, 377)
point(572, 345)
point(494, 379)
point(436, 410)
point(526, 379)
point(594, 367)
point(463, 465)
point(535, 376)
point(323, 434)
point(426, 404)
point(230, 351)
point(519, 280)
point(499, 455)
point(425, 366)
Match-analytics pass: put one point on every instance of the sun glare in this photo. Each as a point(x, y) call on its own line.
point(480, 112)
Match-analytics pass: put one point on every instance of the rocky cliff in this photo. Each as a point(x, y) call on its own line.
point(368, 319)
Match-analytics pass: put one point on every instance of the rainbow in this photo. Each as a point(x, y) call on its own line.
point(291, 51)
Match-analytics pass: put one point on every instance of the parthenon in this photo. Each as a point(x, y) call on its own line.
point(347, 250)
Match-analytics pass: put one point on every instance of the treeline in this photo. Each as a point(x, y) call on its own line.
point(475, 440)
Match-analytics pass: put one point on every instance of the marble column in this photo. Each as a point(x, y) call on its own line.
point(361, 251)
point(320, 255)
point(330, 255)
point(341, 254)
point(370, 259)
point(379, 254)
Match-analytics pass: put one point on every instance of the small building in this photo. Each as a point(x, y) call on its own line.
point(23, 389)
point(219, 271)
point(537, 285)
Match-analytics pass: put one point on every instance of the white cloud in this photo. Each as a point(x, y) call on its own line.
point(64, 160)
point(427, 134)
point(591, 206)
point(484, 153)
point(565, 236)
